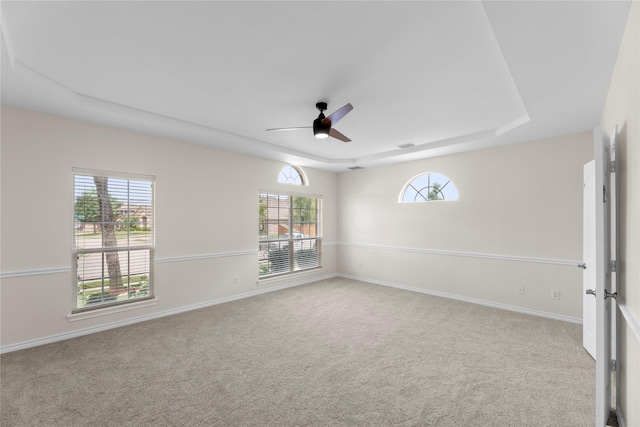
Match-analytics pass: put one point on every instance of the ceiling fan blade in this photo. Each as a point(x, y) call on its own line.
point(296, 128)
point(337, 135)
point(334, 117)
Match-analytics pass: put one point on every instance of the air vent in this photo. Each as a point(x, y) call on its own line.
point(405, 146)
point(355, 168)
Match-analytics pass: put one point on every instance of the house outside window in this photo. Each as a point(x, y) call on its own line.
point(113, 245)
point(289, 232)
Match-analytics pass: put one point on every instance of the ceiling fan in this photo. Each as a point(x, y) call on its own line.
point(323, 126)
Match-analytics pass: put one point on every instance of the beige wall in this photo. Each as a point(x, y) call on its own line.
point(522, 201)
point(622, 109)
point(206, 206)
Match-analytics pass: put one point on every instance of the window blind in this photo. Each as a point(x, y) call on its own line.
point(113, 239)
point(289, 233)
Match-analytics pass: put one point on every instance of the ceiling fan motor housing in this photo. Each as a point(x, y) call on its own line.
point(321, 130)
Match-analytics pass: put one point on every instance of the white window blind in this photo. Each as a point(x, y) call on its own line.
point(289, 233)
point(113, 239)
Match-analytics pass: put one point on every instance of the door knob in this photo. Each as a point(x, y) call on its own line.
point(590, 292)
point(582, 266)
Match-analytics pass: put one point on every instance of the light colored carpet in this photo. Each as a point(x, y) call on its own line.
point(336, 352)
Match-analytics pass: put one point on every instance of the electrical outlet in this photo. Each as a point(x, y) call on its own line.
point(555, 294)
point(521, 289)
point(235, 280)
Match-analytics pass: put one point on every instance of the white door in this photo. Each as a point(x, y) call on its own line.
point(589, 258)
point(603, 275)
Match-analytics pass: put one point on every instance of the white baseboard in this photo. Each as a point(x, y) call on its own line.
point(470, 300)
point(112, 325)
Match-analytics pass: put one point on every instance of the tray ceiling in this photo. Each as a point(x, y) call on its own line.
point(443, 76)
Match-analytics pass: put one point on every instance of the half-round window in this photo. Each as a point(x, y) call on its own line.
point(429, 187)
point(291, 175)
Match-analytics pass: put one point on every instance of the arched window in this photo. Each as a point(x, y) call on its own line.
point(291, 175)
point(428, 187)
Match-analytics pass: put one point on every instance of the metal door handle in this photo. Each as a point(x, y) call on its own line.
point(590, 292)
point(582, 266)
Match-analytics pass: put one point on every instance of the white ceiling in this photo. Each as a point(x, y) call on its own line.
point(446, 76)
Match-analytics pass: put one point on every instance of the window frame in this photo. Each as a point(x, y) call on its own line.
point(77, 251)
point(294, 245)
point(410, 182)
point(301, 175)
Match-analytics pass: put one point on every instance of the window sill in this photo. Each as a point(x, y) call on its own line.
point(111, 310)
point(287, 276)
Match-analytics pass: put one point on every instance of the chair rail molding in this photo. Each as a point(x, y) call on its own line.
point(572, 263)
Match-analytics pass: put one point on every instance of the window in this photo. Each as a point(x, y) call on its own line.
point(429, 187)
point(113, 238)
point(289, 233)
point(290, 175)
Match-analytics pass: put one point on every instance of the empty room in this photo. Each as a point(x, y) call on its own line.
point(371, 213)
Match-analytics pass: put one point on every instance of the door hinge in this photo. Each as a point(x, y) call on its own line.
point(614, 365)
point(612, 167)
point(613, 265)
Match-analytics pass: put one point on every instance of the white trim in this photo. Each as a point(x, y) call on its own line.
point(286, 276)
point(501, 306)
point(90, 314)
point(290, 192)
point(112, 174)
point(573, 263)
point(629, 317)
point(40, 271)
point(112, 325)
point(34, 272)
point(58, 270)
point(206, 256)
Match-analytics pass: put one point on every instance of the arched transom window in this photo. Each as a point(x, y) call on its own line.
point(428, 187)
point(291, 175)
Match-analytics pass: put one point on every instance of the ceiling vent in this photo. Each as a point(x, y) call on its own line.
point(404, 146)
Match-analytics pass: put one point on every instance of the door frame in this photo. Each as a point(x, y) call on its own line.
point(606, 233)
